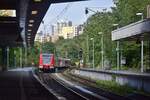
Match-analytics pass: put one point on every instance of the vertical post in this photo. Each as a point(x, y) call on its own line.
point(25, 56)
point(142, 17)
point(117, 50)
point(118, 58)
point(102, 52)
point(120, 54)
point(93, 53)
point(142, 43)
point(142, 67)
point(21, 57)
point(15, 58)
point(149, 53)
point(66, 54)
point(7, 57)
point(87, 49)
point(121, 58)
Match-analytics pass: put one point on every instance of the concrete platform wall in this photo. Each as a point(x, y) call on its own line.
point(140, 82)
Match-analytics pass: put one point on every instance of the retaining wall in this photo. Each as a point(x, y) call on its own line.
point(136, 80)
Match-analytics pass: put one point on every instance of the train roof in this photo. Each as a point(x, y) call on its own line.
point(47, 54)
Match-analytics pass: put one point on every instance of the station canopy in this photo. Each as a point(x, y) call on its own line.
point(136, 31)
point(20, 22)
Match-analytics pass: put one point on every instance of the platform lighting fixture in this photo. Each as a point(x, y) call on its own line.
point(31, 21)
point(29, 30)
point(91, 38)
point(115, 24)
point(142, 45)
point(37, 0)
point(117, 48)
point(12, 12)
point(34, 12)
point(100, 33)
point(30, 25)
point(93, 51)
point(140, 14)
point(102, 49)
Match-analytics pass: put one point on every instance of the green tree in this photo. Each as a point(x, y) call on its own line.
point(125, 13)
point(48, 47)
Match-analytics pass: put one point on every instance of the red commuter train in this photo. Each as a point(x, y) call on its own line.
point(63, 62)
point(46, 61)
point(49, 62)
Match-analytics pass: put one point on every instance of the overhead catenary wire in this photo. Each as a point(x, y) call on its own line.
point(61, 14)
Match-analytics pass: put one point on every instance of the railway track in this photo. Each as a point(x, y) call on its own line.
point(70, 90)
point(87, 83)
point(66, 91)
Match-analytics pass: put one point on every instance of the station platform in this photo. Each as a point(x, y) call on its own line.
point(20, 84)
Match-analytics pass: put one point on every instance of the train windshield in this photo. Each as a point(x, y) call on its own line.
point(46, 58)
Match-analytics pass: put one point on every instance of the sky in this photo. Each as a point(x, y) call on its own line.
point(74, 11)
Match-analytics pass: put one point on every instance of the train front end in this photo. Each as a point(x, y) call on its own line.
point(46, 62)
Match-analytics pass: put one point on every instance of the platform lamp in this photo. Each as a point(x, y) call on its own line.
point(102, 49)
point(140, 14)
point(142, 44)
point(118, 49)
point(92, 39)
point(87, 9)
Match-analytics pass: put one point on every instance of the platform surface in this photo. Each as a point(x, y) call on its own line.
point(19, 84)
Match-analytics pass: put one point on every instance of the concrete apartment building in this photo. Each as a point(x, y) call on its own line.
point(61, 29)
